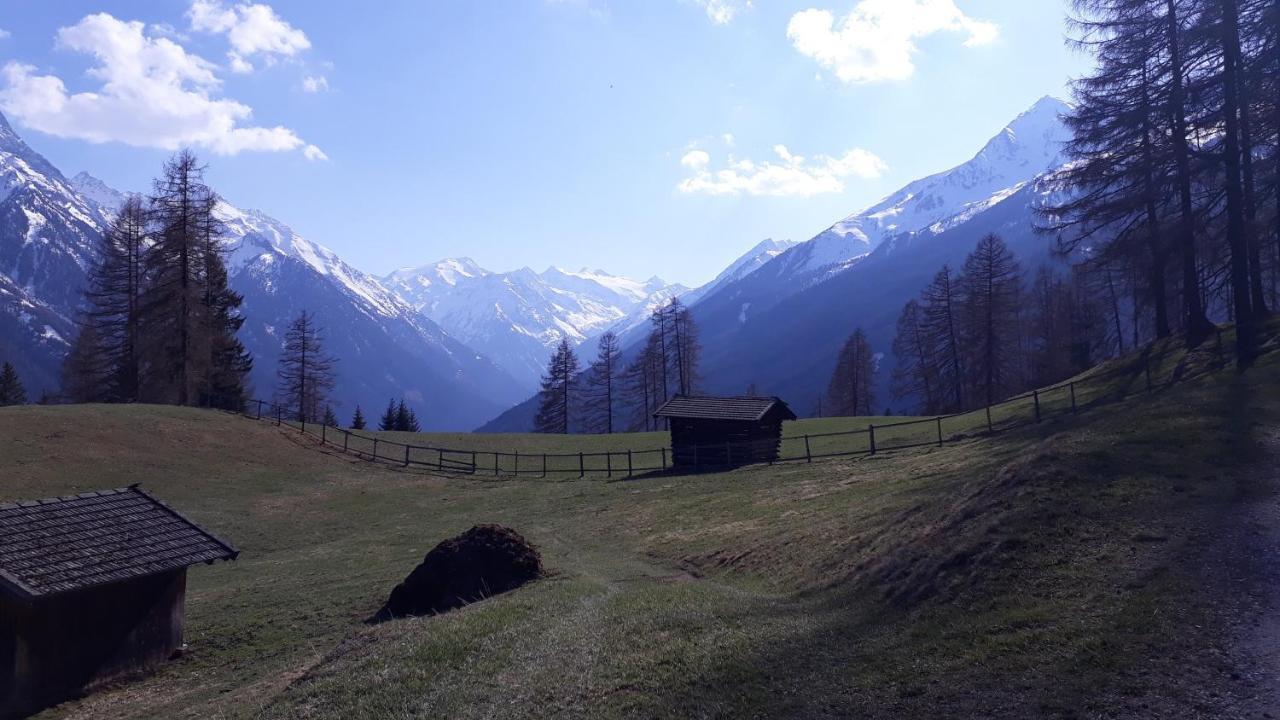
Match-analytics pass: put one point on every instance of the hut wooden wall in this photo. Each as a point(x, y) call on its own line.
point(55, 648)
point(699, 443)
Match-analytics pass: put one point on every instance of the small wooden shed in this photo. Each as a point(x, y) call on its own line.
point(720, 432)
point(92, 587)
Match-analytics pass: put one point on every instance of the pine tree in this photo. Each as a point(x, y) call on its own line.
point(357, 420)
point(329, 418)
point(83, 372)
point(940, 305)
point(228, 364)
point(642, 383)
point(603, 385)
point(850, 392)
point(411, 422)
point(305, 372)
point(176, 351)
point(388, 421)
point(113, 296)
point(402, 423)
point(11, 390)
point(555, 399)
point(991, 292)
point(917, 372)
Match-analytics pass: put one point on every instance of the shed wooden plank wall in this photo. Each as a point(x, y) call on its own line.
point(63, 645)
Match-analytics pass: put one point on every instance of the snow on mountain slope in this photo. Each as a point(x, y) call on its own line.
point(517, 318)
point(49, 228)
point(1027, 147)
point(47, 242)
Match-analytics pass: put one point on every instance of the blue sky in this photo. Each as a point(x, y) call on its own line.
point(642, 137)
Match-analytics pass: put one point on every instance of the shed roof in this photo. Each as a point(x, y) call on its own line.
point(70, 543)
point(749, 409)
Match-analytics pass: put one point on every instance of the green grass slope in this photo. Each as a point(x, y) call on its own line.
point(1083, 567)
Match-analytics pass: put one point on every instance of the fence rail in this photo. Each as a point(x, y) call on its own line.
point(1069, 398)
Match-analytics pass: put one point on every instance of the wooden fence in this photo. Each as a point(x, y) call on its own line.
point(1070, 398)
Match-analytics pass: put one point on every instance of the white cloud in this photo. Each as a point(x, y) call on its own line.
point(790, 176)
point(252, 29)
point(875, 42)
point(722, 12)
point(311, 152)
point(728, 139)
point(4, 34)
point(153, 94)
point(315, 84)
point(695, 160)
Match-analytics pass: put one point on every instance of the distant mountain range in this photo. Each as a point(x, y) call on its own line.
point(780, 327)
point(49, 228)
point(516, 318)
point(464, 344)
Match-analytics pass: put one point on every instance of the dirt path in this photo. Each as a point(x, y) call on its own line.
point(1250, 577)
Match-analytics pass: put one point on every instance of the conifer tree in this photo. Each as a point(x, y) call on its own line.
point(388, 421)
point(228, 364)
point(306, 375)
point(357, 420)
point(11, 390)
point(603, 385)
point(940, 305)
point(177, 339)
point(555, 402)
point(411, 422)
point(850, 392)
point(329, 418)
point(113, 298)
point(991, 293)
point(917, 371)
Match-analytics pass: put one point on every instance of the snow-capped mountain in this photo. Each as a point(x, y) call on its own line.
point(516, 318)
point(1024, 149)
point(883, 256)
point(47, 238)
point(49, 228)
point(779, 327)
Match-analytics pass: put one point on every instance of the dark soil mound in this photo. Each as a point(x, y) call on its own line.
point(481, 562)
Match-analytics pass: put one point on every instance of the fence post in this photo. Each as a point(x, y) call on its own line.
point(440, 459)
point(582, 466)
point(939, 419)
point(495, 464)
point(630, 470)
point(808, 456)
point(990, 429)
point(375, 449)
point(406, 455)
point(259, 409)
point(1073, 398)
point(278, 418)
point(473, 462)
point(515, 470)
point(608, 464)
point(346, 437)
point(871, 435)
point(664, 459)
point(1035, 395)
point(544, 465)
point(302, 427)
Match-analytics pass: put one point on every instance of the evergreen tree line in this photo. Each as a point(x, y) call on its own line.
point(11, 390)
point(1172, 194)
point(159, 323)
point(976, 337)
point(613, 395)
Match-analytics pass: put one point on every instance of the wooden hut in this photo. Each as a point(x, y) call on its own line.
point(723, 432)
point(91, 588)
